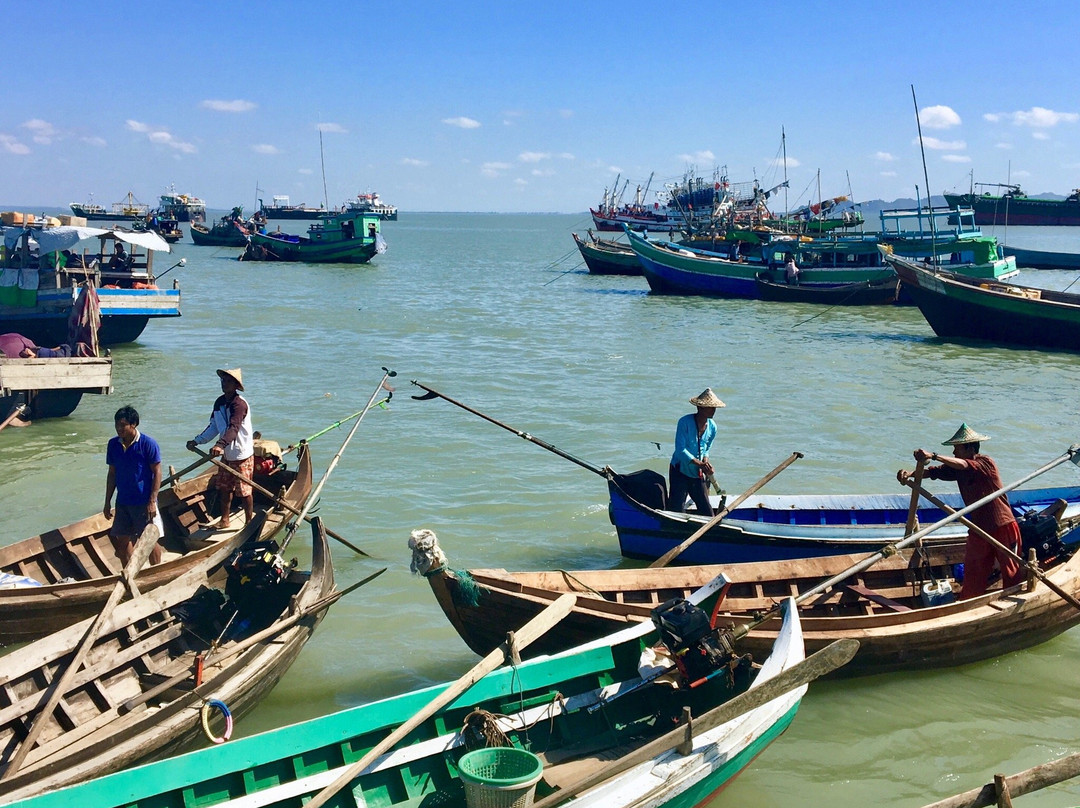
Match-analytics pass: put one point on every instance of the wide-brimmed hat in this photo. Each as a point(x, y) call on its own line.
point(234, 374)
point(707, 398)
point(965, 434)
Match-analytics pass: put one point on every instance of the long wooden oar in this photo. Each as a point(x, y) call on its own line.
point(176, 475)
point(824, 661)
point(1035, 571)
point(677, 550)
point(432, 393)
point(275, 499)
point(15, 413)
point(913, 507)
point(1016, 785)
point(1072, 454)
point(528, 634)
point(58, 689)
point(314, 495)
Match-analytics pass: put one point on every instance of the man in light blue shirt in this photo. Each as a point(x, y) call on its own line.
point(690, 468)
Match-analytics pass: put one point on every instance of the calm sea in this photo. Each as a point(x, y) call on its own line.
point(496, 311)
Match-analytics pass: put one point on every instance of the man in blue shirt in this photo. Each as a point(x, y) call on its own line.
point(690, 467)
point(134, 461)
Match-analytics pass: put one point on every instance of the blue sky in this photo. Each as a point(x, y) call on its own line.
point(476, 106)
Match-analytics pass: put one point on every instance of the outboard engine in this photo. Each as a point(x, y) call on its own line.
point(699, 650)
point(1039, 529)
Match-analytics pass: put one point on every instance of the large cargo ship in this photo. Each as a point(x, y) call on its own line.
point(1015, 207)
point(182, 207)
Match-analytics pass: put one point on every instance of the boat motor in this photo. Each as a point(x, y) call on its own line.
point(700, 651)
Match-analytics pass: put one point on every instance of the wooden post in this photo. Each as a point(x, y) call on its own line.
point(1001, 788)
point(687, 746)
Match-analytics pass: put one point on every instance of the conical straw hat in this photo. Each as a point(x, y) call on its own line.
point(965, 434)
point(707, 398)
point(234, 373)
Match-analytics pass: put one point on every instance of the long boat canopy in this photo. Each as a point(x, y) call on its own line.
point(54, 239)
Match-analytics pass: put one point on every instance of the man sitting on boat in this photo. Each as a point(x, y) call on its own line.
point(690, 470)
point(976, 476)
point(120, 259)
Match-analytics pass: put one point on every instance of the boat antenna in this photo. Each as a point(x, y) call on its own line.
point(926, 179)
point(322, 161)
point(783, 146)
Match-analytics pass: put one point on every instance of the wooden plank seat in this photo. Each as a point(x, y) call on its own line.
point(878, 598)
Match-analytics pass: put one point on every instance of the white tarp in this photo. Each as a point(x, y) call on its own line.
point(53, 239)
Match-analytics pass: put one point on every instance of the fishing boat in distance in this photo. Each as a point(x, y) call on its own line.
point(128, 209)
point(229, 231)
point(181, 207)
point(372, 204)
point(281, 209)
point(342, 238)
point(1015, 207)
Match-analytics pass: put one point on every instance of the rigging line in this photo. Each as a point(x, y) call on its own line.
point(561, 258)
point(576, 266)
point(830, 308)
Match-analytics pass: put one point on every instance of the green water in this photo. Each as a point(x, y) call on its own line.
point(476, 307)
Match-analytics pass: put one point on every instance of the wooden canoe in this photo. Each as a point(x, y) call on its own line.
point(606, 256)
point(78, 567)
point(542, 704)
point(863, 293)
point(770, 527)
point(112, 716)
point(881, 607)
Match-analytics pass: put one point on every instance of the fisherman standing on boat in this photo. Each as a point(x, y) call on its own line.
point(230, 423)
point(134, 460)
point(690, 468)
point(976, 475)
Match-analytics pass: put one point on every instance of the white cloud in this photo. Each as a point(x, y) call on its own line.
point(703, 156)
point(1036, 117)
point(941, 145)
point(542, 172)
point(304, 171)
point(412, 161)
point(884, 157)
point(614, 170)
point(519, 182)
point(1003, 145)
point(265, 148)
point(94, 141)
point(956, 158)
point(336, 128)
point(938, 117)
point(494, 169)
point(888, 173)
point(229, 106)
point(534, 157)
point(462, 122)
point(566, 113)
point(43, 131)
point(162, 137)
point(1022, 174)
point(791, 162)
point(566, 156)
point(1040, 135)
point(13, 145)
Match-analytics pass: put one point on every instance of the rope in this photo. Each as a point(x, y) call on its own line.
point(481, 730)
point(428, 559)
point(581, 583)
point(204, 713)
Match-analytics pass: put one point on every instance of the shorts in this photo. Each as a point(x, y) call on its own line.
point(230, 482)
point(130, 520)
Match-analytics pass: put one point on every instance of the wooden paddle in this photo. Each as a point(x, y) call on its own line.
point(528, 634)
point(58, 689)
point(913, 508)
point(275, 499)
point(824, 661)
point(1035, 571)
point(676, 551)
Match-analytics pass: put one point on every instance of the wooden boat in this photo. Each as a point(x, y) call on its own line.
point(115, 713)
point(867, 293)
point(1017, 208)
point(961, 307)
point(607, 257)
point(542, 704)
point(41, 273)
point(228, 231)
point(775, 527)
point(340, 238)
point(52, 388)
point(1043, 259)
point(77, 567)
point(883, 607)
